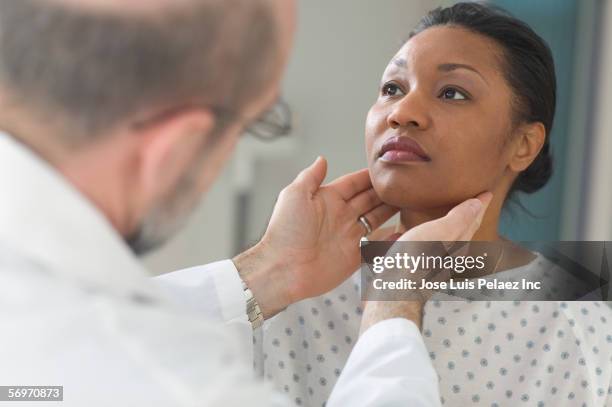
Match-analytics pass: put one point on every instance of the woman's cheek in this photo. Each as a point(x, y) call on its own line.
point(481, 168)
point(372, 129)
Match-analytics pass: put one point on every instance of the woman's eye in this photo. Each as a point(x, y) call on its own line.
point(453, 94)
point(391, 89)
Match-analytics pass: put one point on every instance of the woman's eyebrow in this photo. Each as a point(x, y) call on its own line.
point(399, 62)
point(452, 66)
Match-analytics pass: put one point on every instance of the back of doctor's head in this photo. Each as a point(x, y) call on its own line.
point(87, 66)
point(528, 68)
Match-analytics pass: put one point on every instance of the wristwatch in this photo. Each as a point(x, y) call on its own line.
point(252, 308)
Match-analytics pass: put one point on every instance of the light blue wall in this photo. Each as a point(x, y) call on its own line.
point(555, 21)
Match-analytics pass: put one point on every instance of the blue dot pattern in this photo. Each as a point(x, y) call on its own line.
point(506, 353)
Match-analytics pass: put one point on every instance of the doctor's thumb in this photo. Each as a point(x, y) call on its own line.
point(473, 213)
point(313, 176)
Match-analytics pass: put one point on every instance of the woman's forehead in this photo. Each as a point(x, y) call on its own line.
point(448, 45)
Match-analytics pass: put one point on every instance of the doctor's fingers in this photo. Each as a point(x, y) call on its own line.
point(365, 201)
point(462, 222)
point(376, 218)
point(351, 184)
point(474, 225)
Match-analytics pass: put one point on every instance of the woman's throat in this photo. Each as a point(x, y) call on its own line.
point(488, 230)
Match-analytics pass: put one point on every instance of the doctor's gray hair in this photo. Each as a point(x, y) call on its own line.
point(97, 69)
point(527, 65)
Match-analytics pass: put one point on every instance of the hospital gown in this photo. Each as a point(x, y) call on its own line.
point(501, 353)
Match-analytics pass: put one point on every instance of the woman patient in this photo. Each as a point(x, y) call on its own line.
point(465, 106)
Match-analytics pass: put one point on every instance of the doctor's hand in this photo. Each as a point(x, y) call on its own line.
point(311, 244)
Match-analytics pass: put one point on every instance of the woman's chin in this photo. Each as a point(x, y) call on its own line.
point(415, 198)
point(411, 187)
point(403, 198)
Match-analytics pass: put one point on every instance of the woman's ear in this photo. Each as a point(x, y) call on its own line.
point(527, 145)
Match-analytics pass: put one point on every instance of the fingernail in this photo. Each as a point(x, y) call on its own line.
point(476, 206)
point(488, 197)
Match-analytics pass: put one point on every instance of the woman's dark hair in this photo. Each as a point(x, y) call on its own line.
point(528, 68)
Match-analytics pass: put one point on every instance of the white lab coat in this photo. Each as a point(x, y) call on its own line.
point(77, 309)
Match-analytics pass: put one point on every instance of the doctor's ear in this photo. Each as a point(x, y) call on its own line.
point(166, 148)
point(529, 140)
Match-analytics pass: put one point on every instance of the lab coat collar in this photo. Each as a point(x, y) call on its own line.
point(46, 220)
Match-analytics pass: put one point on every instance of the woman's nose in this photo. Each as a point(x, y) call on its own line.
point(409, 111)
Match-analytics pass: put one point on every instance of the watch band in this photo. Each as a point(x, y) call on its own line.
point(252, 307)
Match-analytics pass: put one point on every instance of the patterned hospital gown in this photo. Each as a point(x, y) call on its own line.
point(502, 353)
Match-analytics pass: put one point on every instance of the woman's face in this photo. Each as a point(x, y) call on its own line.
point(436, 134)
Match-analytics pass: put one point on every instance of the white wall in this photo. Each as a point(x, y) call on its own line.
point(341, 49)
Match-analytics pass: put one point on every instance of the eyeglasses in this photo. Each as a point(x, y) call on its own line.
point(274, 123)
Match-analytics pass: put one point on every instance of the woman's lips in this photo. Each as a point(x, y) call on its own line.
point(402, 149)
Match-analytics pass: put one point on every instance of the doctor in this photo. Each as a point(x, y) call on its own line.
point(116, 117)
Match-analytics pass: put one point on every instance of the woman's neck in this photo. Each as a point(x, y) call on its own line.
point(488, 227)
